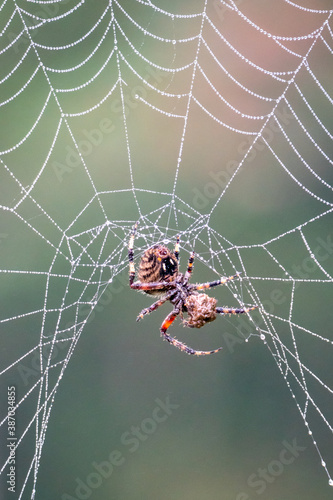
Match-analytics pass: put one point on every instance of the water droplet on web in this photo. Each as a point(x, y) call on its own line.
point(262, 336)
point(330, 482)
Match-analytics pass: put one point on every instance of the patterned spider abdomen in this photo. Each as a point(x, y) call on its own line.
point(157, 264)
point(201, 309)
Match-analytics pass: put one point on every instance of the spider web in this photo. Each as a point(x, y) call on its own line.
point(207, 119)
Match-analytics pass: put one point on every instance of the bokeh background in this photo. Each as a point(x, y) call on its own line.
point(231, 414)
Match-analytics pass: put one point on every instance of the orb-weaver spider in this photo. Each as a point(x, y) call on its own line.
point(159, 275)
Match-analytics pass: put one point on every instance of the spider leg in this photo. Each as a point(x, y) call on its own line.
point(210, 284)
point(189, 268)
point(130, 254)
point(176, 251)
point(180, 345)
point(155, 305)
point(230, 310)
point(155, 285)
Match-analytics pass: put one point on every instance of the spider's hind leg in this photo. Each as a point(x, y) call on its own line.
point(155, 305)
point(189, 268)
point(176, 250)
point(180, 345)
point(130, 254)
point(231, 310)
point(210, 284)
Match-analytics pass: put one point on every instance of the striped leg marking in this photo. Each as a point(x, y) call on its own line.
point(210, 284)
point(156, 285)
point(180, 345)
point(154, 306)
point(189, 268)
point(230, 310)
point(176, 251)
point(130, 254)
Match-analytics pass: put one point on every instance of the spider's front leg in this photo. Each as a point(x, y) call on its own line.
point(155, 305)
point(180, 345)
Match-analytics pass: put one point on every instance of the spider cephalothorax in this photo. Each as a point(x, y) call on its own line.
point(159, 275)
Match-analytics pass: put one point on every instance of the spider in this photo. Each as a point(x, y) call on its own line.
point(159, 275)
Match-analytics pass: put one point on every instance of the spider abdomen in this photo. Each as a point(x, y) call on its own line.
point(157, 264)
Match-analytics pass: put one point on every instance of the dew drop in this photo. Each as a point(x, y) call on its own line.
point(323, 463)
point(262, 336)
point(330, 482)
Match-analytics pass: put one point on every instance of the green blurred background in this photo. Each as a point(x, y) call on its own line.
point(232, 413)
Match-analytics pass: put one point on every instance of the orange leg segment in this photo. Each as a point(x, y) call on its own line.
point(180, 345)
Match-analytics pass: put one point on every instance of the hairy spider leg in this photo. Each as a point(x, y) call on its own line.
point(176, 251)
point(230, 310)
point(155, 305)
point(155, 285)
point(210, 284)
point(130, 255)
point(189, 268)
point(180, 345)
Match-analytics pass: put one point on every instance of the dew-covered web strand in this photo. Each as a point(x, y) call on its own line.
point(271, 115)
